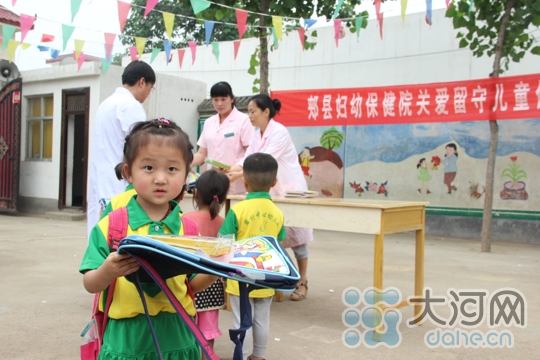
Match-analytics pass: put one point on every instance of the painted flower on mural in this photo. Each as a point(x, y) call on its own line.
point(357, 188)
point(513, 158)
point(513, 171)
point(514, 189)
point(382, 188)
point(371, 187)
point(375, 188)
point(435, 162)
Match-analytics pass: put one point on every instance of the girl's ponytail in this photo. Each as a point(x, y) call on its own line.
point(212, 187)
point(214, 207)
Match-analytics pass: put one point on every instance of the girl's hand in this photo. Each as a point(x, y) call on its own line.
point(116, 265)
point(233, 176)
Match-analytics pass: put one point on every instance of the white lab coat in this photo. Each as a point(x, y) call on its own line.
point(112, 123)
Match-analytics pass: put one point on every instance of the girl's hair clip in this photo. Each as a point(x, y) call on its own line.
point(163, 120)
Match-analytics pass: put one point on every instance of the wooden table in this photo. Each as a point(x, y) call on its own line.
point(377, 217)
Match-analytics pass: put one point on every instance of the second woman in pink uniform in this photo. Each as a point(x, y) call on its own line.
point(226, 135)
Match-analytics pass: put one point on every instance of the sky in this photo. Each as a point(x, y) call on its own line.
point(98, 16)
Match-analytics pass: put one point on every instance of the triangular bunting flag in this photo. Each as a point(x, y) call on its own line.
point(380, 20)
point(67, 31)
point(105, 64)
point(123, 11)
point(181, 53)
point(168, 46)
point(155, 53)
point(7, 32)
point(236, 44)
point(168, 18)
point(241, 18)
point(379, 15)
point(75, 6)
point(358, 26)
point(301, 32)
point(109, 41)
point(78, 48)
point(133, 53)
point(43, 48)
point(193, 48)
point(275, 45)
point(47, 38)
point(429, 11)
point(150, 5)
point(471, 3)
point(26, 22)
point(80, 61)
point(403, 10)
point(199, 5)
point(337, 30)
point(13, 2)
point(337, 9)
point(277, 21)
point(447, 4)
point(25, 46)
point(55, 53)
point(208, 27)
point(215, 49)
point(310, 22)
point(140, 43)
point(12, 46)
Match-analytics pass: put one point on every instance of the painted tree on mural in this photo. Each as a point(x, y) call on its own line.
point(331, 139)
point(503, 29)
point(193, 30)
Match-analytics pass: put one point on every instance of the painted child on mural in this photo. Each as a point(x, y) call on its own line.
point(305, 157)
point(450, 168)
point(424, 176)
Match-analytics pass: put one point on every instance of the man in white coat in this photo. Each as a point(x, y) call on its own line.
point(113, 121)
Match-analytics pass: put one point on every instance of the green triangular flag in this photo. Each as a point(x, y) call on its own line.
point(470, 6)
point(215, 48)
point(75, 6)
point(199, 5)
point(336, 10)
point(67, 31)
point(7, 33)
point(155, 53)
point(276, 41)
point(358, 26)
point(105, 66)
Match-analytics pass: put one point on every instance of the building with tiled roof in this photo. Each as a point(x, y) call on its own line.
point(8, 17)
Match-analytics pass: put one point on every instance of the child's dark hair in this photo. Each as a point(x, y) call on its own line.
point(119, 171)
point(161, 131)
point(212, 187)
point(260, 171)
point(452, 145)
point(222, 89)
point(135, 71)
point(420, 162)
point(264, 102)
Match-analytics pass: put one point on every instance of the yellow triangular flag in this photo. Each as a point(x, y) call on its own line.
point(277, 21)
point(25, 46)
point(12, 46)
point(78, 48)
point(168, 18)
point(140, 43)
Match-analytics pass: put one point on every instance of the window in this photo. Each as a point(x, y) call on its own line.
point(40, 128)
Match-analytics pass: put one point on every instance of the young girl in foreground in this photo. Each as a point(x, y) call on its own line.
point(157, 155)
point(210, 194)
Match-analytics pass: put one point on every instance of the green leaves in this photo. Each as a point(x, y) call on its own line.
point(536, 50)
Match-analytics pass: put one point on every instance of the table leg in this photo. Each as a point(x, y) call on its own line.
point(419, 269)
point(278, 297)
point(378, 285)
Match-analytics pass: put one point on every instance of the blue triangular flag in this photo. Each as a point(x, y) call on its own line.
point(43, 48)
point(55, 53)
point(429, 9)
point(168, 46)
point(208, 27)
point(310, 22)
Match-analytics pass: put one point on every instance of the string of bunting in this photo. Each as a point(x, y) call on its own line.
point(124, 8)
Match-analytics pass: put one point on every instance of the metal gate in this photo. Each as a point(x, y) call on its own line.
point(10, 140)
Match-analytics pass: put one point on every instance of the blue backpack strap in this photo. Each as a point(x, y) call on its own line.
point(237, 335)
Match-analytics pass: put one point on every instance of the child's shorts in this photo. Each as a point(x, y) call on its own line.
point(208, 322)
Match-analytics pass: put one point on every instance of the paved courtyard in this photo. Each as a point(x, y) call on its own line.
point(43, 304)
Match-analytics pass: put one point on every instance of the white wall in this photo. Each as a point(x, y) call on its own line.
point(409, 54)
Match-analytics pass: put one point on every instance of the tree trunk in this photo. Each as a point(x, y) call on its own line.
point(263, 73)
point(494, 140)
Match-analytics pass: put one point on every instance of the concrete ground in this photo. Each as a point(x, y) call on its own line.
point(43, 304)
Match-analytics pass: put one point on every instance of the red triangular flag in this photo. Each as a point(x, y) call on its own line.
point(380, 20)
point(26, 22)
point(301, 32)
point(47, 38)
point(82, 57)
point(13, 2)
point(133, 53)
point(337, 30)
point(123, 11)
point(181, 53)
point(109, 41)
point(236, 47)
point(241, 18)
point(193, 47)
point(150, 5)
point(377, 7)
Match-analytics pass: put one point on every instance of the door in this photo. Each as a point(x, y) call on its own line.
point(74, 156)
point(10, 140)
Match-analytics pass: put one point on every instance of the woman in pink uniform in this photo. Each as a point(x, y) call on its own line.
point(274, 139)
point(226, 135)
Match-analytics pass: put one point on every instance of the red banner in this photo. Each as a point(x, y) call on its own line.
point(515, 97)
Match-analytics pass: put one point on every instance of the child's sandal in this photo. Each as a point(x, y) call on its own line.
point(298, 296)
